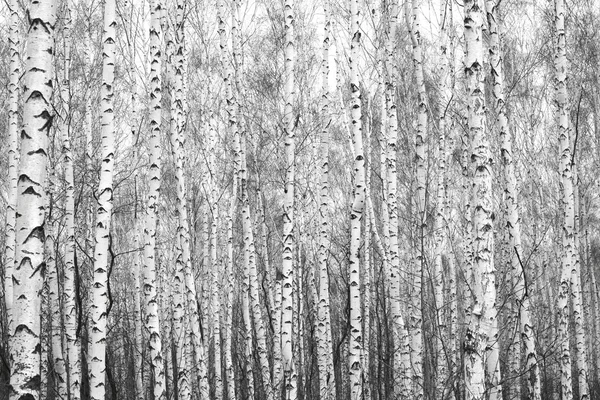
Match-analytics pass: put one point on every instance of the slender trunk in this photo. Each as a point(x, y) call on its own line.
point(73, 347)
point(416, 320)
point(59, 375)
point(577, 292)
point(481, 357)
point(215, 262)
point(324, 350)
point(287, 268)
point(513, 222)
point(568, 239)
point(440, 230)
point(99, 303)
point(357, 211)
point(149, 267)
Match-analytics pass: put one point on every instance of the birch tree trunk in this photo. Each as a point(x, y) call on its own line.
point(324, 350)
point(401, 363)
point(287, 268)
point(481, 358)
point(568, 201)
point(28, 274)
point(513, 222)
point(13, 158)
point(73, 345)
point(99, 303)
point(440, 230)
point(416, 320)
point(358, 205)
point(59, 373)
point(150, 283)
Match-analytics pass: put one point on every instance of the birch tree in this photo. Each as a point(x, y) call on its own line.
point(481, 357)
point(28, 274)
point(73, 344)
point(13, 156)
point(567, 197)
point(99, 303)
point(150, 283)
point(326, 374)
point(287, 268)
point(358, 205)
point(513, 223)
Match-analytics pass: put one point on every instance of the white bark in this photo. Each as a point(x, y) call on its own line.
point(287, 268)
point(513, 223)
point(99, 301)
point(324, 350)
point(358, 206)
point(73, 346)
point(59, 374)
point(481, 356)
point(416, 322)
point(568, 237)
point(150, 283)
point(13, 157)
point(28, 275)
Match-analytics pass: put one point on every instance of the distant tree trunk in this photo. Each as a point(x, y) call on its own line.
point(568, 238)
point(215, 261)
point(358, 206)
point(577, 291)
point(513, 223)
point(99, 303)
point(59, 372)
point(28, 274)
point(287, 268)
point(481, 336)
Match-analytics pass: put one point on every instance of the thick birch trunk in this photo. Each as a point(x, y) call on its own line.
point(28, 274)
point(481, 357)
point(13, 158)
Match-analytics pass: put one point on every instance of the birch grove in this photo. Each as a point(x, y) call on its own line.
point(296, 200)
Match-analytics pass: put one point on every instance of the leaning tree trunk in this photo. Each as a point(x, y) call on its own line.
point(481, 333)
point(99, 303)
point(28, 274)
point(356, 214)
